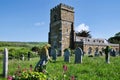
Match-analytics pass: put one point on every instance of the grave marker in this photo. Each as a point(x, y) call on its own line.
point(67, 55)
point(107, 54)
point(5, 63)
point(54, 54)
point(78, 55)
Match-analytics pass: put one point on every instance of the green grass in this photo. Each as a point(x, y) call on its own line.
point(92, 68)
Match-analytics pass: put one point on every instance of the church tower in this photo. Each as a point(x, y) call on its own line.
point(61, 35)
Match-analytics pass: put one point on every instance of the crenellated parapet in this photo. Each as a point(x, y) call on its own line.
point(63, 6)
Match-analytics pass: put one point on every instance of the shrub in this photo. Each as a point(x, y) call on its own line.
point(27, 74)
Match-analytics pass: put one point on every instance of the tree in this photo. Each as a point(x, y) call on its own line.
point(35, 49)
point(117, 34)
point(115, 39)
point(84, 33)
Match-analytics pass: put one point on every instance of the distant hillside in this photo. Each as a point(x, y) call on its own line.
point(21, 44)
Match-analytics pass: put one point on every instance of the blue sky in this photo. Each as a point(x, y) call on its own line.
point(28, 20)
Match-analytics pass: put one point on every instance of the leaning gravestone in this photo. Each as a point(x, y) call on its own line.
point(5, 63)
point(54, 54)
point(78, 55)
point(67, 55)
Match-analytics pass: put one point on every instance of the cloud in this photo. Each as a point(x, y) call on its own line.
point(82, 27)
point(39, 23)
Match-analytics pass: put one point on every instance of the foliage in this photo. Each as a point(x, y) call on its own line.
point(84, 33)
point(35, 49)
point(115, 39)
point(16, 54)
point(27, 74)
point(117, 34)
point(16, 44)
point(16, 49)
point(20, 44)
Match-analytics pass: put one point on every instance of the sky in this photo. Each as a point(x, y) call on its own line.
point(28, 20)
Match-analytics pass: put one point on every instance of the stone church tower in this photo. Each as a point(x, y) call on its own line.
point(61, 35)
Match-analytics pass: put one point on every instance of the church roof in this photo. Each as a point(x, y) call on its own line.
point(93, 41)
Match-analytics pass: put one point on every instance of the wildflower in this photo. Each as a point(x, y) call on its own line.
point(72, 77)
point(18, 66)
point(9, 78)
point(65, 68)
point(24, 70)
point(30, 67)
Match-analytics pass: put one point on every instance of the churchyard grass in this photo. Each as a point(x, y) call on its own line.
point(92, 68)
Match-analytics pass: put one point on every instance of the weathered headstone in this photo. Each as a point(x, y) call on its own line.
point(78, 55)
point(90, 52)
point(29, 55)
point(5, 63)
point(22, 57)
point(107, 54)
point(96, 52)
point(67, 55)
point(113, 52)
point(54, 54)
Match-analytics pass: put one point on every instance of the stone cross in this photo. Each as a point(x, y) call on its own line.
point(5, 63)
point(78, 55)
point(107, 54)
point(67, 55)
point(54, 54)
point(29, 55)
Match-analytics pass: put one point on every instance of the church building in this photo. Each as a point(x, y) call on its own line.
point(62, 34)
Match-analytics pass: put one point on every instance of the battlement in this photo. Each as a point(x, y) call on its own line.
point(63, 6)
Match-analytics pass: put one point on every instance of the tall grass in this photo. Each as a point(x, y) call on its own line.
point(92, 68)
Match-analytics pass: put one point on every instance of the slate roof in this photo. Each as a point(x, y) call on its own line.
point(94, 41)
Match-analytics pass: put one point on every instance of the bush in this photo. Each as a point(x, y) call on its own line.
point(1, 56)
point(16, 53)
point(30, 75)
point(27, 74)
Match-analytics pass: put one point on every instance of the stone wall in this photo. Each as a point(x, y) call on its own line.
point(100, 44)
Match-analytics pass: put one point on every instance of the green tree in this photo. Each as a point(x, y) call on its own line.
point(117, 34)
point(115, 38)
point(84, 33)
point(35, 49)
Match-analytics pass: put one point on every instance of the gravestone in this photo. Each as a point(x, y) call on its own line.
point(78, 55)
point(96, 52)
point(54, 54)
point(90, 52)
point(29, 55)
point(67, 55)
point(113, 53)
point(22, 57)
point(5, 63)
point(107, 54)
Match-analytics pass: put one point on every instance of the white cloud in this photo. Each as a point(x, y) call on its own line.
point(39, 23)
point(82, 27)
